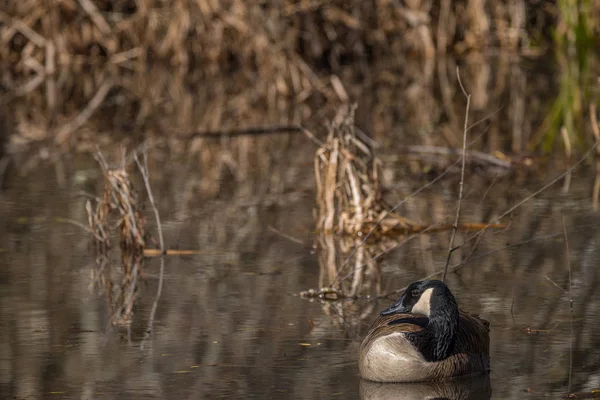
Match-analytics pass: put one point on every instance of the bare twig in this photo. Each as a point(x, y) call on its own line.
point(155, 304)
point(568, 150)
point(145, 175)
point(464, 262)
point(462, 177)
point(251, 131)
point(90, 8)
point(556, 285)
point(383, 253)
point(596, 131)
point(526, 199)
point(596, 189)
point(285, 235)
point(512, 310)
point(473, 155)
point(595, 128)
point(83, 193)
point(101, 159)
point(488, 189)
point(25, 30)
point(570, 300)
point(313, 138)
point(144, 171)
point(79, 225)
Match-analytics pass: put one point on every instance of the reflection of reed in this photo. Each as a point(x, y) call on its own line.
point(119, 285)
point(356, 276)
point(349, 274)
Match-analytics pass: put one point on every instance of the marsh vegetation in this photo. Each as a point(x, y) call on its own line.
point(216, 198)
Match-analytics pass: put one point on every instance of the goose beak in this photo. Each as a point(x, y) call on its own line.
point(395, 308)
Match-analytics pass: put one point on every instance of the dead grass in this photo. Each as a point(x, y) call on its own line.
point(118, 205)
point(119, 208)
point(289, 52)
point(349, 199)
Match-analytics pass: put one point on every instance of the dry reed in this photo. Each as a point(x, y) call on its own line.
point(118, 207)
point(349, 199)
point(288, 52)
point(119, 202)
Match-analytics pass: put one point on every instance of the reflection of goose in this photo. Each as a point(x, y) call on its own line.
point(476, 387)
point(424, 337)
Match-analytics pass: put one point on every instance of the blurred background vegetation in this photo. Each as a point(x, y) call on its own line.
point(80, 72)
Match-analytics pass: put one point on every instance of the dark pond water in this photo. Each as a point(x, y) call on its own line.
point(229, 323)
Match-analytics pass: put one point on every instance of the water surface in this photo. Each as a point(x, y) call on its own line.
point(230, 324)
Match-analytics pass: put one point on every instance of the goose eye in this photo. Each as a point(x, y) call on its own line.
point(415, 293)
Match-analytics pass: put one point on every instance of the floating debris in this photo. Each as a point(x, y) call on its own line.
point(326, 293)
point(593, 394)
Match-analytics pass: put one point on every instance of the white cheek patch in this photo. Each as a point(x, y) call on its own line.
point(423, 306)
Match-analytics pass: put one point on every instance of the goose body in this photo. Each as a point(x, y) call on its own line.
point(424, 337)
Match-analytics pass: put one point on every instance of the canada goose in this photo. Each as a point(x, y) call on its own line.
point(424, 337)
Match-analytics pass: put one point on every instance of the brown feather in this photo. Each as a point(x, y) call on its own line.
point(382, 327)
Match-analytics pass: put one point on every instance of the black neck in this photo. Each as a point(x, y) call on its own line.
point(436, 341)
point(443, 331)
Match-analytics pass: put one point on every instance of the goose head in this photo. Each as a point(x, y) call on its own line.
point(433, 299)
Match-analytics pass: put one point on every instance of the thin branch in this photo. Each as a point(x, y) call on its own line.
point(570, 300)
point(512, 310)
point(83, 193)
point(489, 116)
point(464, 262)
point(462, 177)
point(90, 8)
point(155, 304)
point(285, 235)
point(595, 129)
point(253, 131)
point(144, 171)
point(474, 155)
point(387, 251)
point(526, 199)
point(24, 29)
point(250, 131)
point(145, 175)
point(79, 225)
point(101, 160)
point(555, 284)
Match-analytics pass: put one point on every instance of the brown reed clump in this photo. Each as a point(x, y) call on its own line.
point(118, 207)
point(349, 199)
point(119, 203)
